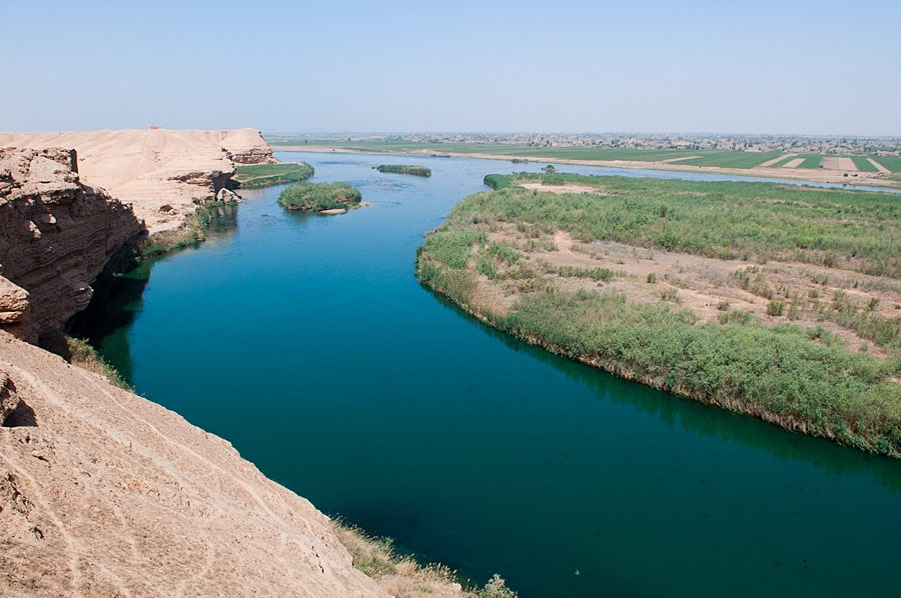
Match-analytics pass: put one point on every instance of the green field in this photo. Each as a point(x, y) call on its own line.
point(255, 176)
point(783, 161)
point(696, 158)
point(863, 164)
point(893, 163)
point(810, 160)
point(802, 378)
point(733, 159)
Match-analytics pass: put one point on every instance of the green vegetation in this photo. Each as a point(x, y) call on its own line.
point(783, 161)
point(725, 220)
point(405, 169)
point(534, 152)
point(802, 379)
point(810, 160)
point(190, 234)
point(863, 164)
point(79, 352)
point(379, 559)
point(732, 159)
point(255, 176)
point(893, 163)
point(320, 196)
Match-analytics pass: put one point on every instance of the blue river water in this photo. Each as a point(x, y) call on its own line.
point(307, 342)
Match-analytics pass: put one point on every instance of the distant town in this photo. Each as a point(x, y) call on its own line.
point(878, 146)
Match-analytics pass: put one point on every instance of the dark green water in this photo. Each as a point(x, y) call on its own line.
point(307, 342)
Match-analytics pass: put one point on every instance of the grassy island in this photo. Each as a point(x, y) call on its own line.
point(405, 169)
point(774, 301)
point(256, 176)
point(321, 197)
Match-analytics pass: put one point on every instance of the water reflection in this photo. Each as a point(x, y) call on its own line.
point(674, 411)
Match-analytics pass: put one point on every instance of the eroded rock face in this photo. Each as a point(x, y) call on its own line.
point(56, 234)
point(104, 493)
point(9, 400)
point(153, 167)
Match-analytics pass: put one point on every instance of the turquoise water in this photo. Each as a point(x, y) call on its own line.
point(307, 342)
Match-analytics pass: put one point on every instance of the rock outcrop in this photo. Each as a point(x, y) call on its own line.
point(155, 167)
point(56, 235)
point(104, 493)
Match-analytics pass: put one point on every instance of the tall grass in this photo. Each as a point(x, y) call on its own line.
point(799, 379)
point(726, 220)
point(319, 196)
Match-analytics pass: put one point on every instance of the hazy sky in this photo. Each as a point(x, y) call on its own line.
point(812, 67)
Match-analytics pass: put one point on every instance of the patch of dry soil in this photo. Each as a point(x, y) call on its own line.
point(709, 287)
point(837, 163)
point(769, 163)
point(793, 163)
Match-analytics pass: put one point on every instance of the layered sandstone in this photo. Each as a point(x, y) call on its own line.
point(56, 235)
point(104, 493)
point(162, 173)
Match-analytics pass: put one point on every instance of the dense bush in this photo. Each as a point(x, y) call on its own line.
point(405, 169)
point(319, 196)
point(801, 379)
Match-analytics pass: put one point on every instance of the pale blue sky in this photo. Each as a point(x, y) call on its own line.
point(809, 67)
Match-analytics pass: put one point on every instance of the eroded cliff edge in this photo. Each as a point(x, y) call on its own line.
point(102, 492)
point(162, 173)
point(56, 235)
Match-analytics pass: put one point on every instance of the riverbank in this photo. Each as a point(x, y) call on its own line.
point(741, 295)
point(830, 176)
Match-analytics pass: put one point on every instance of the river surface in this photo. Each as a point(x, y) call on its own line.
point(307, 342)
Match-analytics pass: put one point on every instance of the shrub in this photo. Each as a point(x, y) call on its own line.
point(320, 196)
point(405, 169)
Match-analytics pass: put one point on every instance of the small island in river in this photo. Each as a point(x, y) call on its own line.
point(405, 169)
point(324, 198)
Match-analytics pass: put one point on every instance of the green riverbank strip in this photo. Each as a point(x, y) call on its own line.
point(257, 176)
point(801, 378)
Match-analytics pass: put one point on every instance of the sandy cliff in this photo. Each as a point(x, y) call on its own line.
point(103, 493)
point(160, 172)
point(56, 235)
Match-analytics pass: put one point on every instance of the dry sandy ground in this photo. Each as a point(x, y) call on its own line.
point(104, 493)
point(838, 163)
point(820, 175)
point(793, 163)
point(770, 163)
point(152, 169)
point(879, 166)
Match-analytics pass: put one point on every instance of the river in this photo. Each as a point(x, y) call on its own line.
point(307, 342)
